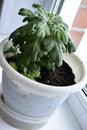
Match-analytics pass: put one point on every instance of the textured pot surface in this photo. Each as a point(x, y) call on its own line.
point(29, 104)
point(34, 100)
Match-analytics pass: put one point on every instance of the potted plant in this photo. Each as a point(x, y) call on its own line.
point(31, 54)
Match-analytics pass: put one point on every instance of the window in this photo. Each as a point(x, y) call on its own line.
point(53, 5)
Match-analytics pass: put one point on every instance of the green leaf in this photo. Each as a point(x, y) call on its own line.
point(26, 12)
point(54, 50)
point(71, 47)
point(57, 56)
point(33, 50)
point(41, 12)
point(42, 30)
point(64, 37)
point(14, 65)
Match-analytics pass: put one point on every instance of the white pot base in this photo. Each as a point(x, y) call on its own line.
point(19, 121)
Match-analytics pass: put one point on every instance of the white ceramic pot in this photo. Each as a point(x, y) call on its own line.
point(29, 104)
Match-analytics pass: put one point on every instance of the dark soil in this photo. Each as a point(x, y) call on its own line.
point(61, 76)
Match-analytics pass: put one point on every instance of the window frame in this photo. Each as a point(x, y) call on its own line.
point(78, 106)
point(52, 5)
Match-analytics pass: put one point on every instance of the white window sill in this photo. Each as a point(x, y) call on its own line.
point(78, 101)
point(62, 120)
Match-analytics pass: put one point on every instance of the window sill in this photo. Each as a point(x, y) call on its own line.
point(62, 120)
point(78, 101)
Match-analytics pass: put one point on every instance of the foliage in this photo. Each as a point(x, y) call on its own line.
point(40, 42)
